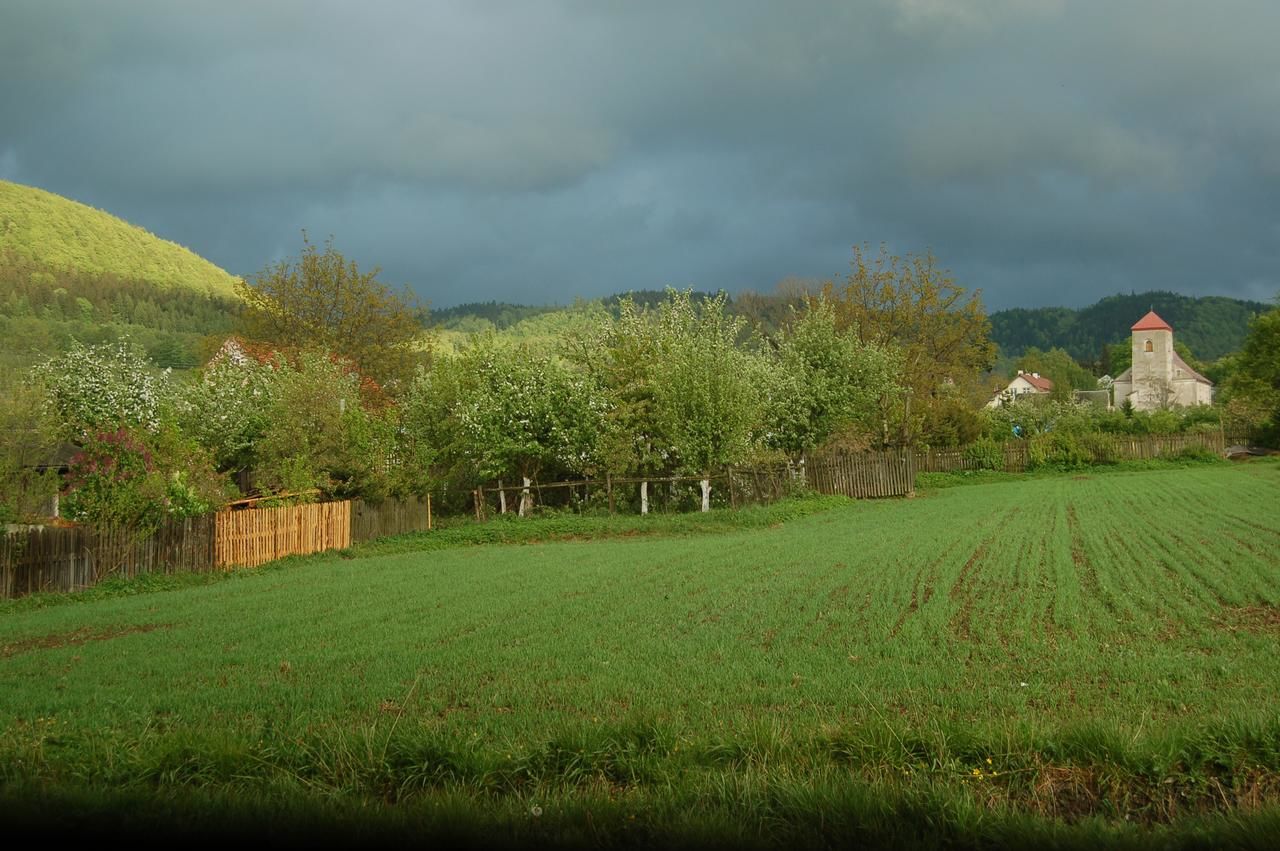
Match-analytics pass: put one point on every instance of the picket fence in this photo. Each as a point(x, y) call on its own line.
point(70, 558)
point(864, 475)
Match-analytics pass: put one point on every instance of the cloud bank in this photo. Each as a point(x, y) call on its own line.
point(1049, 152)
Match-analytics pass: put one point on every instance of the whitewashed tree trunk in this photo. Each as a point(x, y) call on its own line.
point(526, 499)
point(706, 494)
point(502, 498)
point(644, 497)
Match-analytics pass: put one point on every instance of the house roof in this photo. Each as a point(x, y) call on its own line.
point(1151, 322)
point(1039, 382)
point(1190, 373)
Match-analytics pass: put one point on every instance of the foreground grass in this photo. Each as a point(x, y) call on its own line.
point(1074, 660)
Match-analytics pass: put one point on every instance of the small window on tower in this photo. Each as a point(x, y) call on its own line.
point(1147, 347)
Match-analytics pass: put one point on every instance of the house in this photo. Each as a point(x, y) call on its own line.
point(1024, 384)
point(1159, 378)
point(239, 352)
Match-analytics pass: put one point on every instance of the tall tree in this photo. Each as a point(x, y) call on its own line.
point(324, 301)
point(495, 410)
point(706, 396)
point(825, 382)
point(939, 327)
point(1254, 390)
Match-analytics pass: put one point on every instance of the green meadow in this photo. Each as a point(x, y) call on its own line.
point(1070, 660)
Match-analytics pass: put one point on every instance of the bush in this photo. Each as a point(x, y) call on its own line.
point(131, 479)
point(1058, 450)
point(98, 388)
point(985, 454)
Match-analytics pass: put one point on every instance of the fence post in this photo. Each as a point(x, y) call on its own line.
point(608, 486)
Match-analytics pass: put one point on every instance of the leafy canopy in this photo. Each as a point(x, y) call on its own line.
point(324, 301)
point(940, 329)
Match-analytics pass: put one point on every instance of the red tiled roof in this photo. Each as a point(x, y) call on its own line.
point(1041, 383)
point(1151, 322)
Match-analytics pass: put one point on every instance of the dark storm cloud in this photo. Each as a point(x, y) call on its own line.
point(1048, 152)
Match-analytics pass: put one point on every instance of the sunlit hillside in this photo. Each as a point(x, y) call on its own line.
point(50, 231)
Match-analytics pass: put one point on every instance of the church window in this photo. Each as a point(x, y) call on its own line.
point(1147, 347)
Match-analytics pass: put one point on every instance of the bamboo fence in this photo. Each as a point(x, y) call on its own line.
point(253, 537)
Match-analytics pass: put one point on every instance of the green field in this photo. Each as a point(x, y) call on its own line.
point(1068, 659)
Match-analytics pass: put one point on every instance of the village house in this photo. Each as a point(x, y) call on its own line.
point(1024, 385)
point(1159, 378)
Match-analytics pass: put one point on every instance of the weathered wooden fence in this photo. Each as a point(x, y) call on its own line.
point(1016, 459)
point(390, 517)
point(865, 475)
point(60, 558)
point(859, 475)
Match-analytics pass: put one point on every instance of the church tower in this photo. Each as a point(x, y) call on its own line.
point(1158, 378)
point(1153, 358)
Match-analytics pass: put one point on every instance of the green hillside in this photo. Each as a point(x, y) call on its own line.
point(1211, 326)
point(69, 272)
point(60, 234)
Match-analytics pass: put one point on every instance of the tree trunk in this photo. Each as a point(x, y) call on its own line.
point(502, 498)
point(706, 494)
point(644, 497)
point(526, 498)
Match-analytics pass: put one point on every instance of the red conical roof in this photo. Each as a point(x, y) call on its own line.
point(1151, 322)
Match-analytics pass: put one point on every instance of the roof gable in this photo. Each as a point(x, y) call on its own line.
point(1151, 322)
point(1190, 373)
point(1039, 382)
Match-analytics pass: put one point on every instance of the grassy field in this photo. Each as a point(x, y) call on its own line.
point(1068, 660)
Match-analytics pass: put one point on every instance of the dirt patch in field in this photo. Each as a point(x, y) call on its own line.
point(1084, 568)
point(1262, 620)
point(83, 635)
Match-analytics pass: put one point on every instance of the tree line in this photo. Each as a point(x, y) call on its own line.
point(332, 393)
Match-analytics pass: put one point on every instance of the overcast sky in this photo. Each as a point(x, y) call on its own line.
point(1047, 151)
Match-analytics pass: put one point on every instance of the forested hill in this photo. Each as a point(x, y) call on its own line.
point(1211, 326)
point(59, 234)
point(68, 271)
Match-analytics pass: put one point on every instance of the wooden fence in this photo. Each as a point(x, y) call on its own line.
point(390, 517)
point(1016, 459)
point(70, 558)
point(859, 475)
point(60, 558)
point(49, 558)
point(254, 537)
point(1102, 449)
point(865, 475)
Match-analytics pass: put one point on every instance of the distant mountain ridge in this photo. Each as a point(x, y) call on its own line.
point(1211, 326)
point(58, 234)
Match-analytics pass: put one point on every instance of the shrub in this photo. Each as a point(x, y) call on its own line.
point(985, 454)
point(130, 479)
point(1058, 450)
